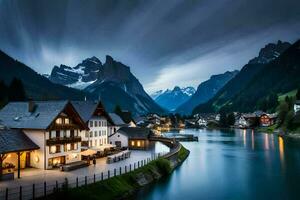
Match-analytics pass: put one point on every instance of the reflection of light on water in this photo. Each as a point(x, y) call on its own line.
point(272, 140)
point(266, 141)
point(252, 139)
point(281, 150)
point(244, 137)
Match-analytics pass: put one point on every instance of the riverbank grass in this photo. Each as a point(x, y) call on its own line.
point(123, 186)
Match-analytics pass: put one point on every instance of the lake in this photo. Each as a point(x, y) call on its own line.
point(233, 164)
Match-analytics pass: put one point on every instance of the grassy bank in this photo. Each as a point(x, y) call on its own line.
point(121, 187)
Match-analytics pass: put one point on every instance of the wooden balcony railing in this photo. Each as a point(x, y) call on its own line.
point(62, 140)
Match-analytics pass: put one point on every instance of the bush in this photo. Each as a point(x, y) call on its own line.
point(164, 165)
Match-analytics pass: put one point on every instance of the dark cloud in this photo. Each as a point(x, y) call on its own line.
point(165, 42)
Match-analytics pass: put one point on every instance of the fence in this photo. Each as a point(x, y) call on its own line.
point(39, 190)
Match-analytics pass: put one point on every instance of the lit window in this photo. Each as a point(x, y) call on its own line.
point(67, 121)
point(138, 143)
point(68, 147)
point(53, 149)
point(132, 143)
point(58, 121)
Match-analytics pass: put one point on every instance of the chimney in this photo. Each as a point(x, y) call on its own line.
point(31, 106)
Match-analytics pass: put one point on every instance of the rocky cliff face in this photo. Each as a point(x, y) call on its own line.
point(111, 82)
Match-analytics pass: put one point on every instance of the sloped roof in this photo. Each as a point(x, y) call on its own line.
point(14, 140)
point(85, 108)
point(135, 132)
point(16, 114)
point(116, 119)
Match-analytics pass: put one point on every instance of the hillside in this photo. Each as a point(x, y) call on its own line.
point(36, 86)
point(247, 90)
point(206, 91)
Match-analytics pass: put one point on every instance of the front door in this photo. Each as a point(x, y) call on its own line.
point(27, 160)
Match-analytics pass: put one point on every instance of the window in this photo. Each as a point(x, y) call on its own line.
point(100, 141)
point(91, 123)
point(138, 143)
point(67, 121)
point(58, 121)
point(75, 146)
point(96, 134)
point(105, 141)
point(132, 143)
point(104, 133)
point(72, 133)
point(96, 142)
point(57, 134)
point(68, 147)
point(86, 134)
point(52, 149)
point(91, 143)
point(95, 123)
point(91, 134)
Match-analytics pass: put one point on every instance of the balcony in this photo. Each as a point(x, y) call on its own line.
point(62, 140)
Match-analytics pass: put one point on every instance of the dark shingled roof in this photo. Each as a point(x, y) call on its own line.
point(14, 140)
point(86, 109)
point(135, 132)
point(16, 114)
point(117, 119)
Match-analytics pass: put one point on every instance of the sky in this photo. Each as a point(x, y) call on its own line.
point(165, 42)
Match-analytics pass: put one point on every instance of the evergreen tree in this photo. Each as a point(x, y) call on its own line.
point(118, 110)
point(16, 91)
point(298, 94)
point(230, 119)
point(3, 91)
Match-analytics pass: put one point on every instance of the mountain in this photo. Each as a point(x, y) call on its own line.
point(156, 94)
point(171, 99)
point(112, 82)
point(206, 91)
point(252, 84)
point(36, 86)
point(80, 76)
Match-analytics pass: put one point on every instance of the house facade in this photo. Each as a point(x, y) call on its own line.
point(131, 137)
point(54, 126)
point(97, 120)
point(297, 106)
point(267, 119)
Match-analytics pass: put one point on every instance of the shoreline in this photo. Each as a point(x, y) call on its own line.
point(126, 185)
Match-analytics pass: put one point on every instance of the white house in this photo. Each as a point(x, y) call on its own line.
point(242, 122)
point(97, 119)
point(131, 137)
point(297, 106)
point(201, 122)
point(54, 126)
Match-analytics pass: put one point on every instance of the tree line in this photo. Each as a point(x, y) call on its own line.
point(13, 92)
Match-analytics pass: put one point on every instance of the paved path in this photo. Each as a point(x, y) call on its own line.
point(38, 176)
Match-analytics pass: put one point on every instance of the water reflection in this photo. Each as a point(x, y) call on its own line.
point(281, 150)
point(266, 141)
point(240, 164)
point(252, 140)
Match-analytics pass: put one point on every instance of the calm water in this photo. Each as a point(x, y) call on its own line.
point(233, 165)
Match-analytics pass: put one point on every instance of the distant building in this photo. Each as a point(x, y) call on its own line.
point(242, 122)
point(50, 130)
point(131, 137)
point(267, 119)
point(127, 118)
point(297, 106)
point(201, 122)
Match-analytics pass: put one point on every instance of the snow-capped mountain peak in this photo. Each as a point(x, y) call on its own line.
point(171, 99)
